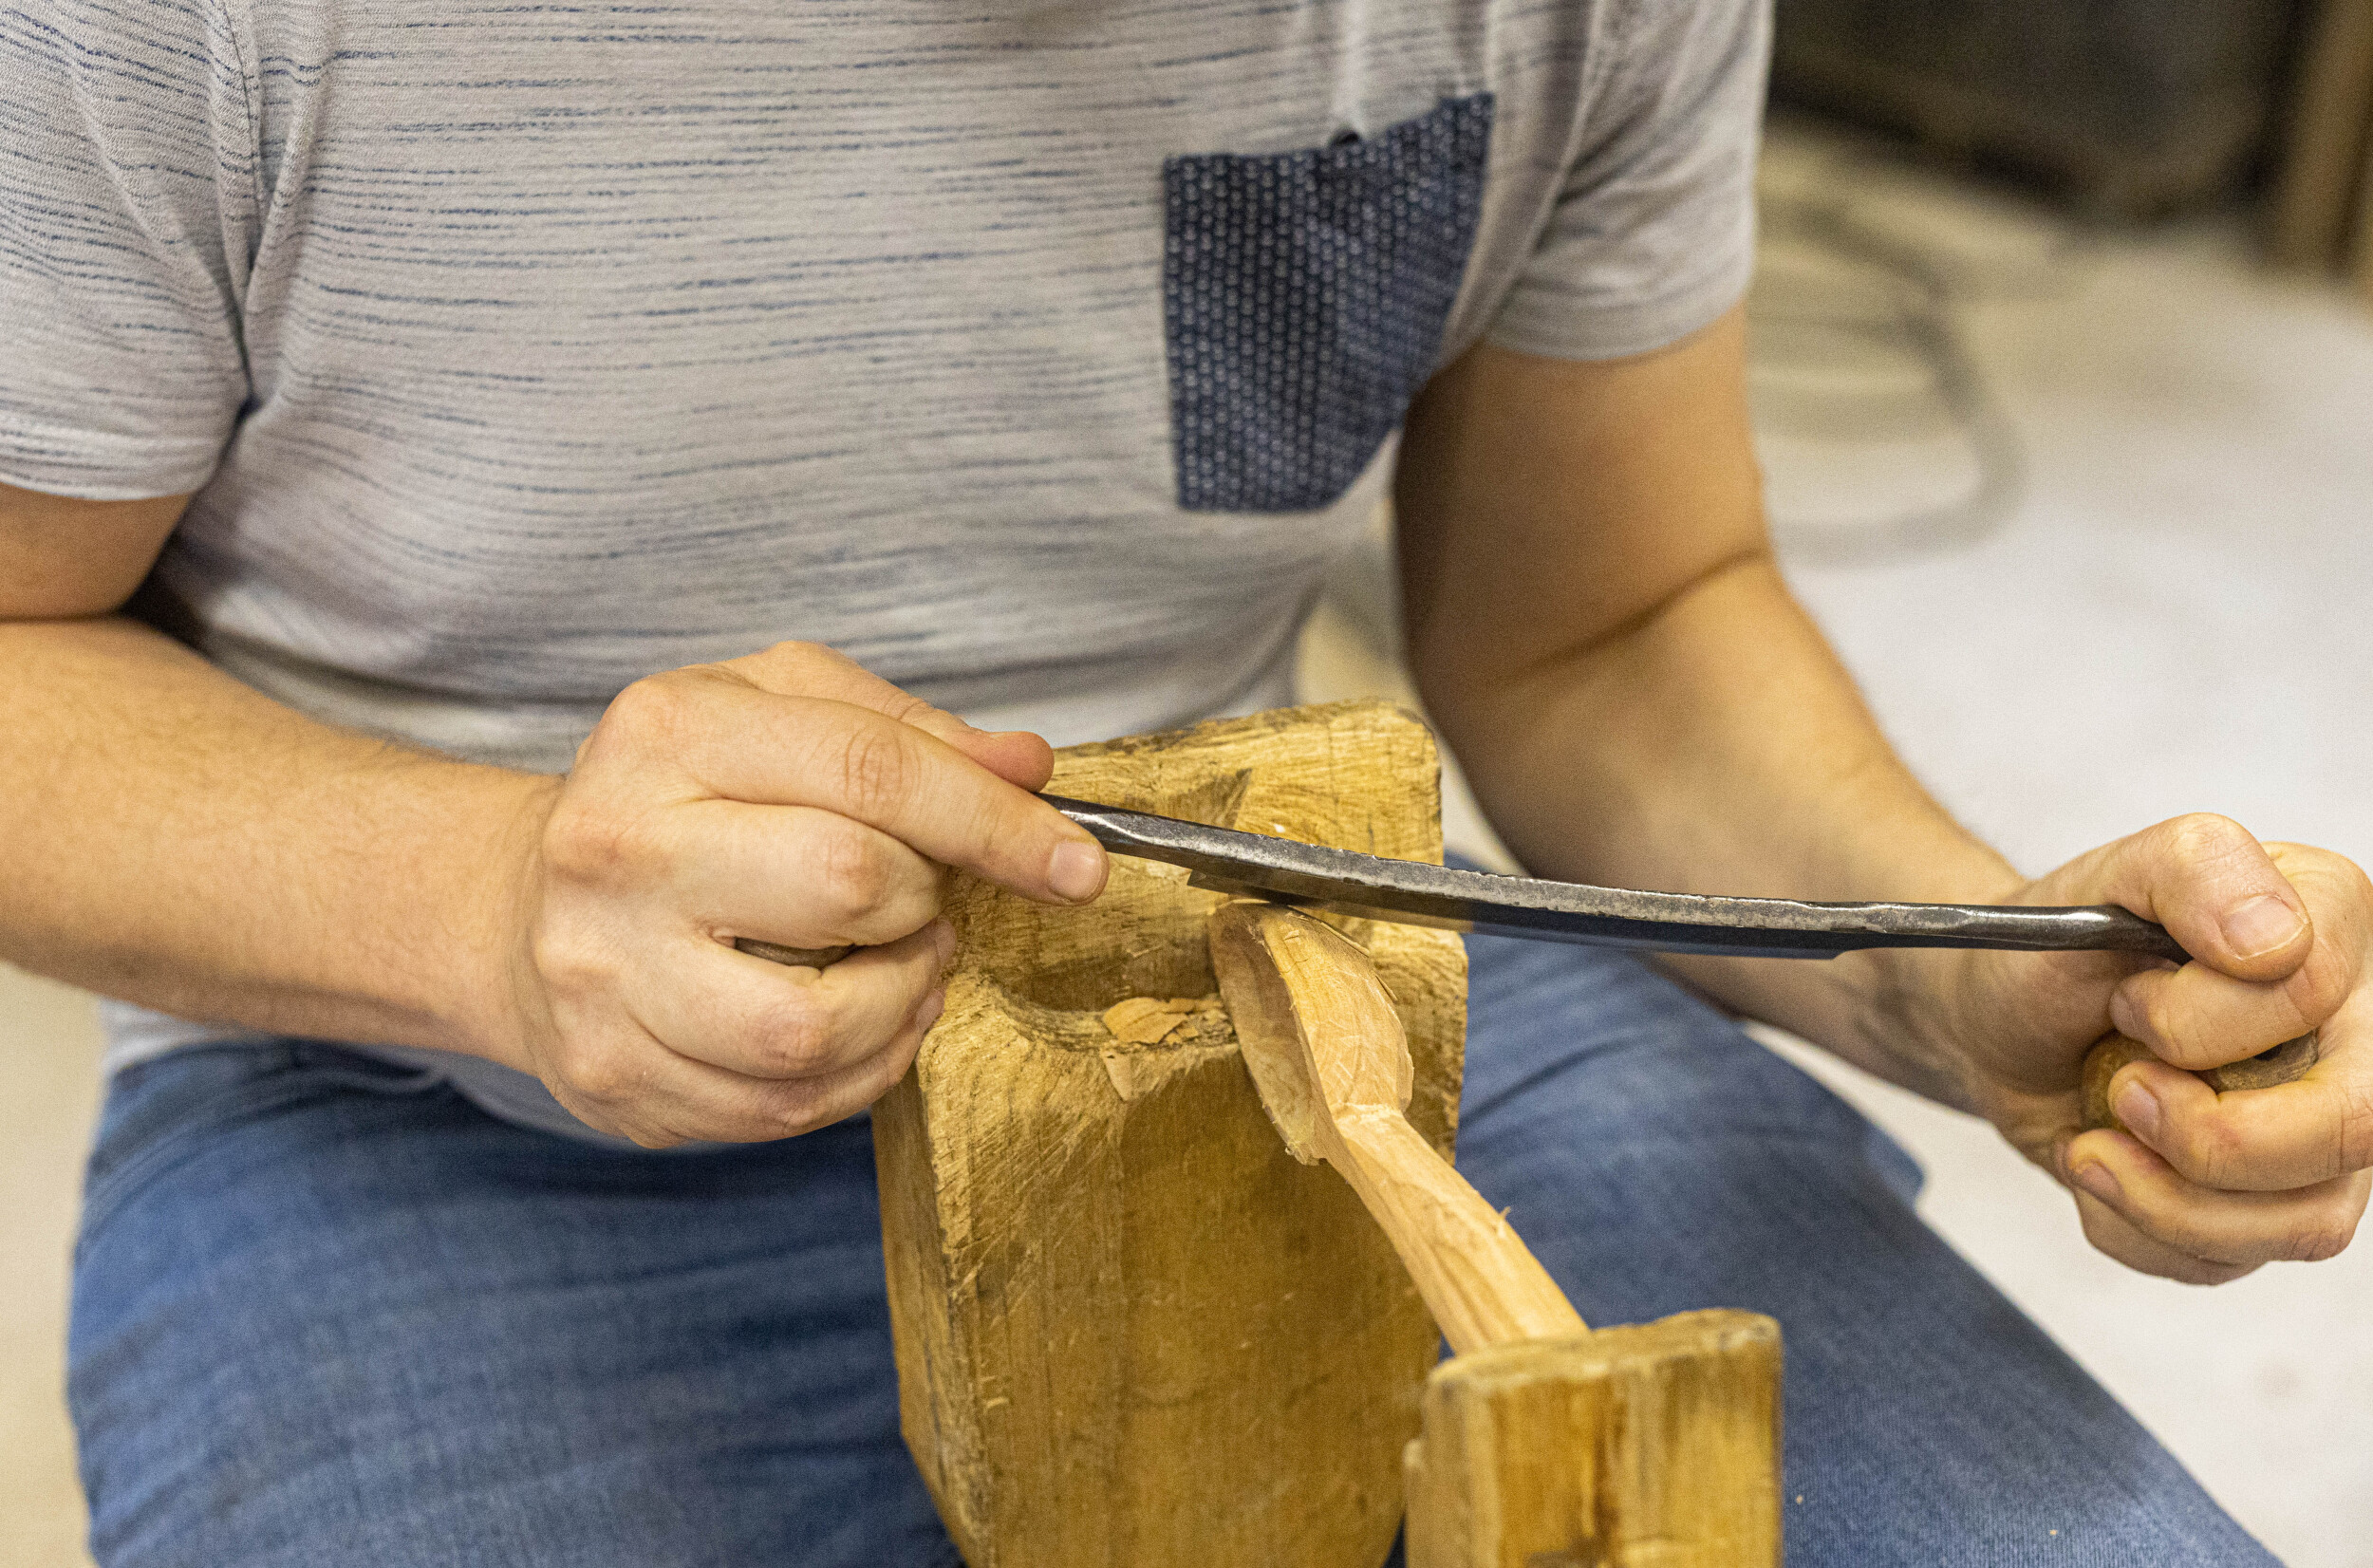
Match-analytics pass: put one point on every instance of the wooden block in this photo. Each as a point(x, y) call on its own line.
point(1648, 1447)
point(2331, 114)
point(1133, 1330)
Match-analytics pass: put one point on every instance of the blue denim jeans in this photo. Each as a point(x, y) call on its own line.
point(328, 1313)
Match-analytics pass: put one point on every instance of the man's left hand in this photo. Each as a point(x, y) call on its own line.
point(2205, 1187)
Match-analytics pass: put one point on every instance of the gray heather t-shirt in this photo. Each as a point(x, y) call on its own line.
point(1037, 356)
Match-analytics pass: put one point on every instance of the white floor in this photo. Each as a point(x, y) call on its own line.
point(2175, 617)
point(49, 1094)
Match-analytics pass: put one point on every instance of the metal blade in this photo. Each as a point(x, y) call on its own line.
point(1414, 893)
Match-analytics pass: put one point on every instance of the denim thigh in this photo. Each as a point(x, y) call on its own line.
point(325, 1312)
point(1658, 1159)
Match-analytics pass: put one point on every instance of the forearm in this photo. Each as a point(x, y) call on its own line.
point(1717, 746)
point(1597, 625)
point(171, 837)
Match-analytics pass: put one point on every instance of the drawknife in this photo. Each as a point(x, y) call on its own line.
point(1408, 892)
point(1415, 893)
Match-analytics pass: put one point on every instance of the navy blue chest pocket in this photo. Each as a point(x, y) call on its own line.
point(1305, 294)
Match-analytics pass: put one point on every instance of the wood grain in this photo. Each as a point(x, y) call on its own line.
point(1133, 1330)
point(1648, 1447)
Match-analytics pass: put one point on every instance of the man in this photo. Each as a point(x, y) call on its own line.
point(425, 427)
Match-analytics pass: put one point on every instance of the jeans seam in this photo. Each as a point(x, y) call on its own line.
point(211, 1114)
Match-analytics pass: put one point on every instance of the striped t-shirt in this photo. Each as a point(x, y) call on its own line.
point(1039, 357)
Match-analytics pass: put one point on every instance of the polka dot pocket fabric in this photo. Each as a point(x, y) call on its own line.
point(1304, 294)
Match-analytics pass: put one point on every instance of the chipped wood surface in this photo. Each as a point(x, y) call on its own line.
point(1131, 1329)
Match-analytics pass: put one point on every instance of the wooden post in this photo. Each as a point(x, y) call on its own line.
point(1544, 1445)
point(1133, 1330)
point(1648, 1447)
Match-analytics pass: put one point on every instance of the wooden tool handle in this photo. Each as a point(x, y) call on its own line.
point(2280, 1065)
point(812, 957)
point(1327, 1053)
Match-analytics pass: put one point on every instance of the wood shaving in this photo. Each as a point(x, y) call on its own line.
point(1142, 1024)
point(1121, 1068)
point(1145, 1020)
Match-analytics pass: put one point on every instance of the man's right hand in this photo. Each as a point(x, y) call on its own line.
point(791, 797)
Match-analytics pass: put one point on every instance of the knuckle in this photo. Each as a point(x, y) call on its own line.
point(800, 651)
point(2355, 1130)
point(650, 709)
point(853, 867)
point(997, 821)
point(2203, 1271)
point(595, 844)
point(2205, 838)
point(2208, 1150)
point(2166, 1021)
point(604, 1075)
point(801, 665)
point(791, 1110)
point(2099, 1222)
point(2318, 986)
point(2179, 1036)
point(2341, 879)
point(2324, 1238)
point(796, 1038)
point(2359, 888)
point(877, 770)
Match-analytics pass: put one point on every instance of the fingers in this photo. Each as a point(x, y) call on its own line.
point(2209, 1186)
point(727, 737)
point(763, 1019)
point(740, 1050)
point(674, 1100)
point(796, 876)
point(2253, 1140)
point(2186, 1230)
point(2111, 1233)
point(2200, 1016)
point(793, 876)
point(810, 669)
point(2214, 887)
point(793, 799)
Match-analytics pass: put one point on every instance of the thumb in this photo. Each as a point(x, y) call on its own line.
point(2211, 883)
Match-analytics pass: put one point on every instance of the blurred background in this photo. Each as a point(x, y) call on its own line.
point(2063, 379)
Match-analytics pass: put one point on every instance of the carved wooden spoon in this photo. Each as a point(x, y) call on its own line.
point(1328, 1056)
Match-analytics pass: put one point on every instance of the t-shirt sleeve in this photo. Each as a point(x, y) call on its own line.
point(127, 221)
point(1652, 234)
